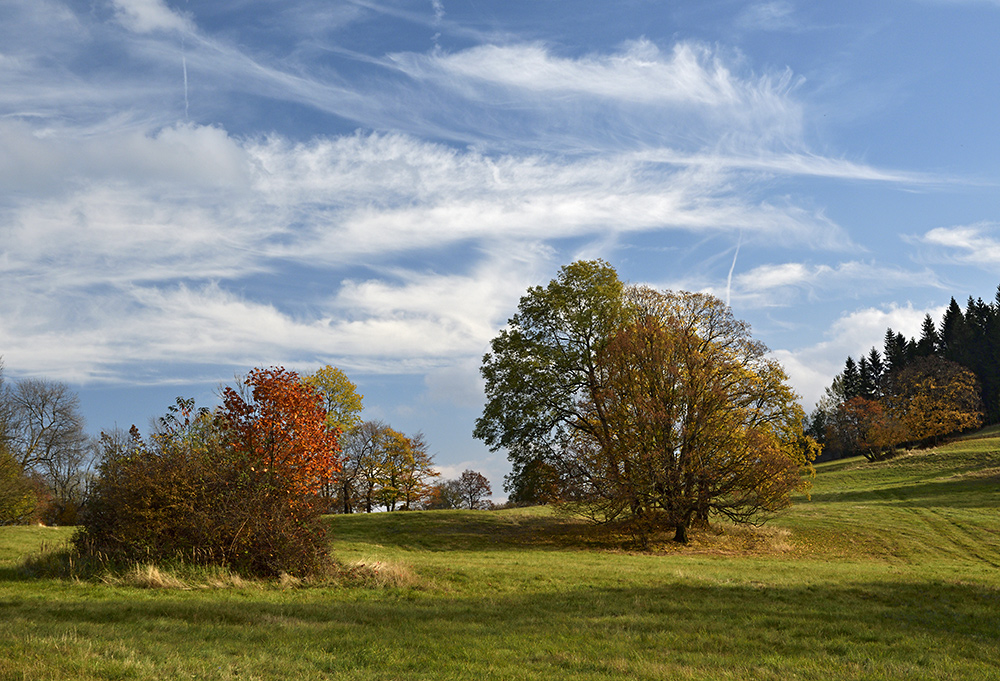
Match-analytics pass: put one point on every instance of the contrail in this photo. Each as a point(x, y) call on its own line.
point(184, 65)
point(729, 279)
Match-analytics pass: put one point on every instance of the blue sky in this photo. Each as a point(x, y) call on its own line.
point(189, 189)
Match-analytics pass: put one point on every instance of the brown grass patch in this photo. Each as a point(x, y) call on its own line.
point(379, 574)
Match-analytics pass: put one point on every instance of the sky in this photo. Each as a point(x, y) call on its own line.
point(192, 188)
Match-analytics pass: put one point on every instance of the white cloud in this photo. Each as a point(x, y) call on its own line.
point(689, 95)
point(775, 15)
point(812, 368)
point(977, 244)
point(145, 16)
point(786, 283)
point(43, 161)
point(139, 222)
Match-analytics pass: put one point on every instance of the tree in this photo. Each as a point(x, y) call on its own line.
point(474, 490)
point(653, 407)
point(279, 426)
point(851, 379)
point(43, 432)
point(17, 498)
point(414, 481)
point(365, 448)
point(933, 397)
point(532, 480)
point(444, 495)
point(544, 364)
point(341, 400)
point(343, 405)
point(929, 341)
point(235, 487)
point(865, 427)
point(692, 419)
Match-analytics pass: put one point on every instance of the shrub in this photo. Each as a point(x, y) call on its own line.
point(200, 491)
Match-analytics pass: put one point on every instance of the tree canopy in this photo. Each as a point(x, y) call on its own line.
point(657, 408)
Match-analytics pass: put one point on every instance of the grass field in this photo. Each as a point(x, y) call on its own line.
point(890, 570)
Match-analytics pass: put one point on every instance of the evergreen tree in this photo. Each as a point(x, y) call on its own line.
point(895, 351)
point(870, 368)
point(952, 332)
point(929, 342)
point(852, 379)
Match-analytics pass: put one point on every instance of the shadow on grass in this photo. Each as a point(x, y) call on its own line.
point(580, 631)
point(967, 492)
point(467, 530)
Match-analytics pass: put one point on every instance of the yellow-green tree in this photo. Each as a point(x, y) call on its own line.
point(692, 418)
point(654, 407)
point(341, 400)
point(414, 483)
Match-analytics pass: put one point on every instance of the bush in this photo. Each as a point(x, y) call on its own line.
point(196, 493)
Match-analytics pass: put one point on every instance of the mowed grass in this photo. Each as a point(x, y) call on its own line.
point(890, 570)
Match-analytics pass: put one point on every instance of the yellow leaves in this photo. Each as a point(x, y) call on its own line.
point(341, 399)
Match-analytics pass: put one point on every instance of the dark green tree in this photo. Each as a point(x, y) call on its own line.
point(852, 383)
point(929, 339)
point(544, 364)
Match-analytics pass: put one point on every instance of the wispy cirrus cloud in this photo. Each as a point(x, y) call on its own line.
point(773, 15)
point(164, 240)
point(977, 244)
point(145, 16)
point(789, 283)
point(692, 91)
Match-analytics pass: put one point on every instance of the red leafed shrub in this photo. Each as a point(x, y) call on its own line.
point(235, 487)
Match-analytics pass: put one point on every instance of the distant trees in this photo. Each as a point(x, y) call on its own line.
point(655, 408)
point(471, 490)
point(383, 468)
point(42, 433)
point(945, 382)
point(474, 489)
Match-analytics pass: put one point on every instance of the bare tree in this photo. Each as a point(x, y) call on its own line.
point(44, 434)
point(362, 446)
point(475, 489)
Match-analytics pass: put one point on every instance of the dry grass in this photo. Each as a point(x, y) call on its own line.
point(379, 574)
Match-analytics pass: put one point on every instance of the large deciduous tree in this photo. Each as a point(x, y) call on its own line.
point(657, 408)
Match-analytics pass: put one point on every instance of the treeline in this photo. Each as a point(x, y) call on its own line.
point(915, 391)
point(242, 485)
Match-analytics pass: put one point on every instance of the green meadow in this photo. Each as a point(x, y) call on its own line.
point(888, 570)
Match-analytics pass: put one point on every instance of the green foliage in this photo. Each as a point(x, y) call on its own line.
point(17, 497)
point(654, 408)
point(541, 365)
point(341, 399)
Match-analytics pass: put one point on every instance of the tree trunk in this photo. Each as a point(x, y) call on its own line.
point(681, 533)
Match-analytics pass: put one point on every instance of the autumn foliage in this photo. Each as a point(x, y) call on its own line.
point(280, 429)
point(236, 487)
point(653, 409)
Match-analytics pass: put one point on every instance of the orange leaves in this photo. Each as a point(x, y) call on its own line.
point(279, 424)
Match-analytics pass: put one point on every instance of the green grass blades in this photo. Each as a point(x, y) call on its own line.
point(889, 571)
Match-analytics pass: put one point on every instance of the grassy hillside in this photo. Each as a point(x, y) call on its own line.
point(890, 570)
